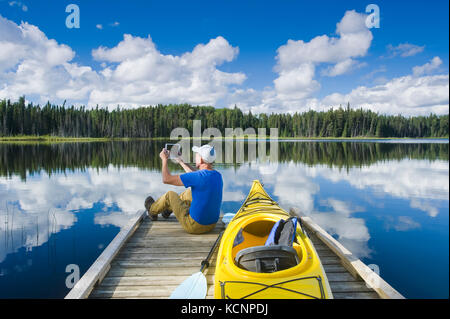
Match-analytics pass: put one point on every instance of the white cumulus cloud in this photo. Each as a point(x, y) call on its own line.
point(133, 73)
point(405, 95)
point(39, 67)
point(297, 60)
point(144, 75)
point(427, 68)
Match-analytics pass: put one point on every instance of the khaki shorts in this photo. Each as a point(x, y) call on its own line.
point(179, 205)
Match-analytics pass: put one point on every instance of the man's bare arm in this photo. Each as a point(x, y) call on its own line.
point(188, 168)
point(166, 176)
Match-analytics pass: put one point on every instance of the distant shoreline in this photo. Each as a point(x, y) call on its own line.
point(59, 139)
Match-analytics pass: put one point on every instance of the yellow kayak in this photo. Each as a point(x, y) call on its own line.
point(247, 267)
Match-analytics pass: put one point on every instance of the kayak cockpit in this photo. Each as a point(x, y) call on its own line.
point(250, 253)
point(267, 259)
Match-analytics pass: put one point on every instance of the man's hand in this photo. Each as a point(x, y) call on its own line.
point(164, 154)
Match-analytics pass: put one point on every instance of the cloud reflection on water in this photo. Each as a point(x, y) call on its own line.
point(43, 205)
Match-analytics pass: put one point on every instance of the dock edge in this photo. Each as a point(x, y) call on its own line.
point(101, 266)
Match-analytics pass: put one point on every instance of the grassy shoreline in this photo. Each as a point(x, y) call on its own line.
point(56, 139)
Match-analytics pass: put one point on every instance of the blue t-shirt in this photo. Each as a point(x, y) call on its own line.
point(206, 186)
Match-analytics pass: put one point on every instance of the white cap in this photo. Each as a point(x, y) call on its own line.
point(207, 152)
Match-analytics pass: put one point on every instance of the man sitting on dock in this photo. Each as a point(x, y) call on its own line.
point(198, 208)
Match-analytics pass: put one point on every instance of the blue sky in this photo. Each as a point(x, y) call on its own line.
point(258, 29)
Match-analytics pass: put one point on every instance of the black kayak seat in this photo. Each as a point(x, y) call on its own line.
point(267, 259)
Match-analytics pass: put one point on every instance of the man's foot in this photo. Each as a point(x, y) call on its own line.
point(148, 204)
point(166, 214)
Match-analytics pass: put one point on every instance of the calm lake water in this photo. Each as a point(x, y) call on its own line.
point(388, 202)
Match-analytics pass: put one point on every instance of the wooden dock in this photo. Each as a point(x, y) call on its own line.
point(150, 259)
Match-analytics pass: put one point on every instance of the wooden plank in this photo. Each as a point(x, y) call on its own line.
point(334, 268)
point(171, 219)
point(175, 232)
point(168, 255)
point(144, 271)
point(159, 243)
point(352, 263)
point(164, 225)
point(340, 276)
point(99, 268)
point(321, 247)
point(138, 291)
point(171, 223)
point(172, 233)
point(159, 263)
point(162, 250)
point(182, 239)
point(162, 260)
point(331, 260)
point(325, 253)
point(355, 295)
point(346, 286)
point(155, 280)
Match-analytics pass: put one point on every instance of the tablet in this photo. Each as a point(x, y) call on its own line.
point(174, 150)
